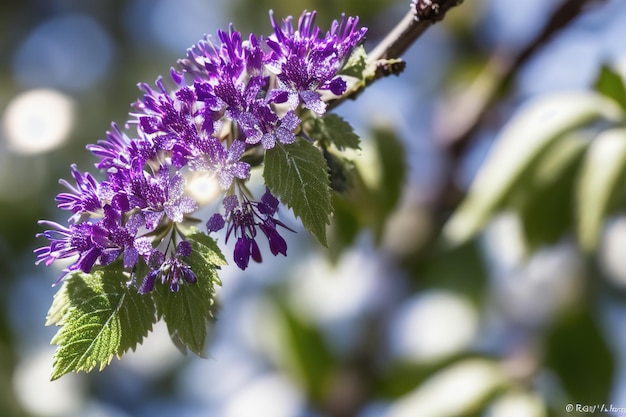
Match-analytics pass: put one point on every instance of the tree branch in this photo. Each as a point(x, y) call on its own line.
point(384, 59)
point(422, 15)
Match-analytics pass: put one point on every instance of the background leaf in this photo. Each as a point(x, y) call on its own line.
point(380, 195)
point(189, 311)
point(298, 175)
point(545, 197)
point(575, 346)
point(600, 178)
point(103, 317)
point(533, 129)
point(611, 84)
point(313, 362)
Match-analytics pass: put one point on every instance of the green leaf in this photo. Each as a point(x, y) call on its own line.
point(356, 64)
point(298, 175)
point(571, 342)
point(189, 311)
point(380, 194)
point(206, 247)
point(100, 316)
point(332, 129)
point(391, 153)
point(545, 197)
point(600, 180)
point(59, 307)
point(531, 131)
point(311, 360)
point(611, 84)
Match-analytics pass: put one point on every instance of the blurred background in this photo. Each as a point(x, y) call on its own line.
point(388, 322)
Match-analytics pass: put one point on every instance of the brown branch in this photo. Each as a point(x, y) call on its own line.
point(423, 14)
point(384, 59)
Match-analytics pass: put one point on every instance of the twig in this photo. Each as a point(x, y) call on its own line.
point(384, 59)
point(422, 15)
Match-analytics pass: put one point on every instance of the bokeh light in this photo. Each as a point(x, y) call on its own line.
point(42, 397)
point(38, 121)
point(432, 326)
point(71, 51)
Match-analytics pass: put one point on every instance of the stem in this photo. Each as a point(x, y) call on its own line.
point(384, 59)
point(422, 15)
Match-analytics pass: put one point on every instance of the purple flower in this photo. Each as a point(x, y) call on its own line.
point(224, 163)
point(84, 198)
point(307, 61)
point(92, 243)
point(160, 196)
point(177, 205)
point(232, 56)
point(281, 130)
point(113, 152)
point(231, 97)
point(243, 219)
point(173, 270)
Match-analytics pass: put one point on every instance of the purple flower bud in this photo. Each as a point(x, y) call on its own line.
point(184, 248)
point(241, 254)
point(276, 241)
point(215, 223)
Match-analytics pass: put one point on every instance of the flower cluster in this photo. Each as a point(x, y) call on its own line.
point(228, 101)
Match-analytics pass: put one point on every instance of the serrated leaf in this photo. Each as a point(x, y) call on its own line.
point(60, 305)
point(189, 311)
point(601, 175)
point(332, 129)
point(103, 317)
point(532, 130)
point(298, 175)
point(207, 247)
point(611, 84)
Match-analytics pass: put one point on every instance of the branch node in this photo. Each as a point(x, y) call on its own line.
point(430, 10)
point(425, 10)
point(390, 67)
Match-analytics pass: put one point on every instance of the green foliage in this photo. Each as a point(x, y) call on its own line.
point(611, 84)
point(575, 347)
point(313, 363)
point(601, 179)
point(298, 175)
point(393, 171)
point(545, 197)
point(100, 316)
point(188, 311)
point(519, 150)
point(333, 129)
point(356, 64)
point(380, 198)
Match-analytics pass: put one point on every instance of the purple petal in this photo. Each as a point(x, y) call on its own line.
point(216, 222)
point(313, 101)
point(148, 282)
